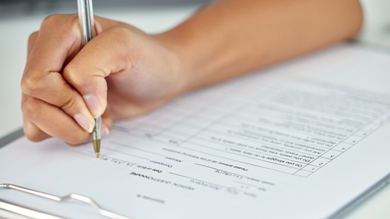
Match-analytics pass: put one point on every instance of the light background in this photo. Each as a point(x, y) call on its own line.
point(18, 21)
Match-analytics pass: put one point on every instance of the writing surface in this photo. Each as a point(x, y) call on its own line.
point(299, 140)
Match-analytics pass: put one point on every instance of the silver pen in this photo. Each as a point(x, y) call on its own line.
point(87, 32)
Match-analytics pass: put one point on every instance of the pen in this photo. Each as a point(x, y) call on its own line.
point(87, 25)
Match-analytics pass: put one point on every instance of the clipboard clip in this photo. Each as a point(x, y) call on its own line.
point(25, 212)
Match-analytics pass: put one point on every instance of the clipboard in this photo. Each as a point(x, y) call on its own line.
point(15, 211)
point(339, 214)
point(11, 210)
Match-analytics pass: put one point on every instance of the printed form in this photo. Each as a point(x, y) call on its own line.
point(299, 140)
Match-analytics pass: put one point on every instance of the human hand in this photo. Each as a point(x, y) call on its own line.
point(122, 72)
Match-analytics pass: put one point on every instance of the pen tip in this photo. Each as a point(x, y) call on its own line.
point(96, 147)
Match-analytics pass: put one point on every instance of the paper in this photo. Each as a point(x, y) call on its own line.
point(300, 140)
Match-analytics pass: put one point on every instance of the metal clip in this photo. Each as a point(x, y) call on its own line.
point(23, 211)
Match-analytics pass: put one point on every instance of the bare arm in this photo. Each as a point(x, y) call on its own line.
point(123, 72)
point(232, 37)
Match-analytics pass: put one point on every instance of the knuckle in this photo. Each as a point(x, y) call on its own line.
point(69, 103)
point(50, 20)
point(60, 23)
point(71, 75)
point(125, 42)
point(32, 84)
point(29, 107)
point(121, 33)
point(32, 37)
point(31, 135)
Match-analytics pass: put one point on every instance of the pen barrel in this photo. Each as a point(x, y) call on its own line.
point(86, 20)
point(96, 134)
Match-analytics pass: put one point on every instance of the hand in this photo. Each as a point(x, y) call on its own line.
point(122, 72)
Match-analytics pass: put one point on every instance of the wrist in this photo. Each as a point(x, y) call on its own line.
point(178, 62)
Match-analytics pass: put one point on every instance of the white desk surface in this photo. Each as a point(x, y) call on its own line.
point(13, 44)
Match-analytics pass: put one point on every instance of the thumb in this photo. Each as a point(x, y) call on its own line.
point(86, 72)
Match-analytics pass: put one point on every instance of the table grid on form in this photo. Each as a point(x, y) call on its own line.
point(296, 128)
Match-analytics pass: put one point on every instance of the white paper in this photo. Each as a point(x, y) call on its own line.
point(299, 140)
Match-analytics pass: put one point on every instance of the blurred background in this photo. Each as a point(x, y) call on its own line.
point(28, 7)
point(19, 18)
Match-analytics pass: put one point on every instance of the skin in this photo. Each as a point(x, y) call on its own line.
point(123, 72)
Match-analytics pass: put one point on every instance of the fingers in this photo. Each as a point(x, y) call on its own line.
point(50, 120)
point(63, 102)
point(57, 41)
point(35, 134)
point(31, 42)
point(107, 53)
point(32, 132)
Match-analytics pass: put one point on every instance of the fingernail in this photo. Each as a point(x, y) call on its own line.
point(93, 105)
point(83, 122)
point(105, 132)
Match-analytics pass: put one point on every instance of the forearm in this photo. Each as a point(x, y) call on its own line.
point(134, 73)
point(233, 37)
